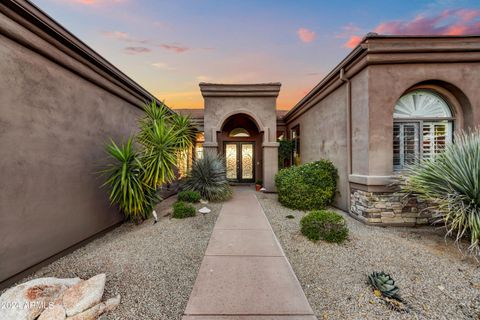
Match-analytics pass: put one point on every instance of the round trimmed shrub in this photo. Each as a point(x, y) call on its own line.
point(325, 225)
point(307, 187)
point(183, 210)
point(189, 196)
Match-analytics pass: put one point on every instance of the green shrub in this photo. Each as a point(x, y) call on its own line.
point(208, 177)
point(183, 210)
point(451, 181)
point(325, 225)
point(307, 187)
point(189, 196)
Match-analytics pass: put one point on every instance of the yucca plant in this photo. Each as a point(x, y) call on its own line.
point(208, 177)
point(451, 181)
point(164, 136)
point(135, 176)
point(135, 198)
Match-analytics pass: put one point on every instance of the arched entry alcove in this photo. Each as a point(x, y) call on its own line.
point(240, 141)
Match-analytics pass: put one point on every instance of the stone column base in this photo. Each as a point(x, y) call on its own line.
point(387, 208)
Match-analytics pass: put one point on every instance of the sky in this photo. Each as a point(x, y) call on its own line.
point(170, 46)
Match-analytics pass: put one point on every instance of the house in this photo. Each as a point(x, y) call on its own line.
point(392, 101)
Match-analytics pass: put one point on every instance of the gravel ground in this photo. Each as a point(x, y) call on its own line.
point(435, 280)
point(153, 267)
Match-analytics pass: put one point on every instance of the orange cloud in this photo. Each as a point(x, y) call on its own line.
point(306, 35)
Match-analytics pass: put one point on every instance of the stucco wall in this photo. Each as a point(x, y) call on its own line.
point(323, 136)
point(53, 127)
point(387, 83)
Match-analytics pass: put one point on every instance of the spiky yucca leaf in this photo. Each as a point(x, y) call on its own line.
point(208, 177)
point(134, 198)
point(451, 180)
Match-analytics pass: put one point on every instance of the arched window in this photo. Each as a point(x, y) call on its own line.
point(239, 133)
point(422, 126)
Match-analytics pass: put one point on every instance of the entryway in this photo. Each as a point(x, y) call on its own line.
point(240, 161)
point(245, 273)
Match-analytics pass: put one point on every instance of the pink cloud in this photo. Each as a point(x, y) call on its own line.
point(306, 35)
point(174, 48)
point(447, 22)
point(136, 50)
point(123, 36)
point(352, 42)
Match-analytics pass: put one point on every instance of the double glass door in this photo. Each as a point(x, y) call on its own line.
point(239, 158)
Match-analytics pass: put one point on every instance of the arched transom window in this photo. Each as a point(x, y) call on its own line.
point(422, 127)
point(239, 133)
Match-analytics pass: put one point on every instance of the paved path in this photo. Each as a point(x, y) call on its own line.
point(245, 274)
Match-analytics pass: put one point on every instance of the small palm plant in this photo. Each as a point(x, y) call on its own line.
point(134, 177)
point(208, 177)
point(451, 180)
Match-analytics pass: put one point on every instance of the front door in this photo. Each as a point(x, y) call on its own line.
point(239, 158)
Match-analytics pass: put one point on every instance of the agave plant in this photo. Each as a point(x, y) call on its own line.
point(208, 177)
point(451, 180)
point(385, 284)
point(135, 198)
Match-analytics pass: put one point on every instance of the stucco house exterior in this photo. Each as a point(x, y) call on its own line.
point(391, 101)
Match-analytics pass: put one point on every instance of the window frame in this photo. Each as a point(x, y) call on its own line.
point(421, 121)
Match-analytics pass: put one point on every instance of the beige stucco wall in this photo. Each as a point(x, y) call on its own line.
point(323, 136)
point(258, 101)
point(53, 128)
point(387, 83)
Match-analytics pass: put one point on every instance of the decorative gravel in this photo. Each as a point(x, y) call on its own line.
point(153, 267)
point(435, 280)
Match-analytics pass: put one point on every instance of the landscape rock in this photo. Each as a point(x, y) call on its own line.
point(204, 210)
point(27, 301)
point(90, 314)
point(84, 295)
point(112, 303)
point(57, 312)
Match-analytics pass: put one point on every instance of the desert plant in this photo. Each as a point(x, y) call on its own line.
point(183, 210)
point(208, 177)
point(451, 181)
point(135, 198)
point(307, 187)
point(324, 225)
point(189, 196)
point(135, 176)
point(163, 135)
point(385, 285)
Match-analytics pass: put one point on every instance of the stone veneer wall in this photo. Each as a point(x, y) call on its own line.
point(389, 208)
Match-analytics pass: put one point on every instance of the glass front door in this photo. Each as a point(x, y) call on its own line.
point(239, 158)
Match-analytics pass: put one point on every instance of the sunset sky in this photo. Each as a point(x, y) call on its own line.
point(168, 47)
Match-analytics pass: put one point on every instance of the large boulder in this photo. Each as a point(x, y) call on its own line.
point(27, 301)
point(57, 312)
point(84, 295)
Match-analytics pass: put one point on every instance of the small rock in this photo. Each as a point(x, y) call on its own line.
point(84, 295)
point(28, 300)
point(263, 189)
point(57, 312)
point(90, 314)
point(112, 303)
point(203, 201)
point(204, 210)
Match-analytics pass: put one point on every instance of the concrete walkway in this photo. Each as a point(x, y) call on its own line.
point(245, 274)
